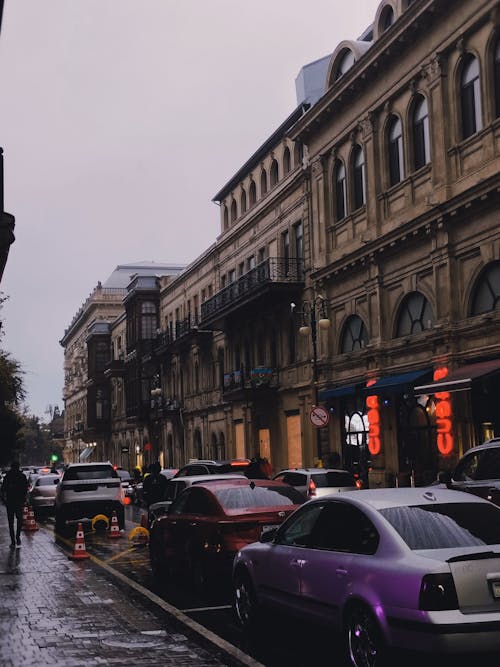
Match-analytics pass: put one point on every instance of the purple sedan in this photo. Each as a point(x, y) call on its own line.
point(407, 568)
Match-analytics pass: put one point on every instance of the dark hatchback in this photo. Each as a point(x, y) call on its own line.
point(478, 472)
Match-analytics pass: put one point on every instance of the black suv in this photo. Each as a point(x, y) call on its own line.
point(478, 472)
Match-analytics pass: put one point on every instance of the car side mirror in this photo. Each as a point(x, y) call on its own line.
point(268, 535)
point(445, 477)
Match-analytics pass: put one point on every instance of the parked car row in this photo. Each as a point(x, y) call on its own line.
point(399, 568)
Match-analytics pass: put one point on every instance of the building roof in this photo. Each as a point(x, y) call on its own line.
point(124, 273)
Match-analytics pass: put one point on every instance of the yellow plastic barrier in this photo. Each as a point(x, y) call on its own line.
point(139, 535)
point(100, 517)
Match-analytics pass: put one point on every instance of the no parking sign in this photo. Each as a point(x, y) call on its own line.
point(318, 416)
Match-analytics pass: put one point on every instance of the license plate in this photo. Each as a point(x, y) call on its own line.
point(495, 588)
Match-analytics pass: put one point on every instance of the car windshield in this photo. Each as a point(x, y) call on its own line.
point(446, 525)
point(337, 478)
point(89, 472)
point(249, 498)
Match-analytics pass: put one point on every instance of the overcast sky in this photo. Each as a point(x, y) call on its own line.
point(120, 120)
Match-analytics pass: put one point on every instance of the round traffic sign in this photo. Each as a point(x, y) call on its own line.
point(319, 416)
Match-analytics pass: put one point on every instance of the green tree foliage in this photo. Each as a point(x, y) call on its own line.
point(12, 394)
point(37, 441)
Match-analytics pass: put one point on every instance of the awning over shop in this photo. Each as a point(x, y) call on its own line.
point(85, 454)
point(338, 392)
point(462, 378)
point(394, 384)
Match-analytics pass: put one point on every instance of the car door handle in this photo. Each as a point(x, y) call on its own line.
point(298, 562)
point(341, 572)
point(193, 523)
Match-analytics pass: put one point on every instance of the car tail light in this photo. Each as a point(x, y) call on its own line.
point(438, 592)
point(359, 483)
point(311, 491)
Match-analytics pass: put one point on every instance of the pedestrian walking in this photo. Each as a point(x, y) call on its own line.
point(154, 487)
point(14, 489)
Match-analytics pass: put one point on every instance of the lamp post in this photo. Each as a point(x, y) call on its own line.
point(314, 317)
point(156, 405)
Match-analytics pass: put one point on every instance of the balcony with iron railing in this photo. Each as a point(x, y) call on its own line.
point(258, 379)
point(179, 333)
point(272, 278)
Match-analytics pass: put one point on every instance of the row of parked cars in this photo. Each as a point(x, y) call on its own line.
point(407, 568)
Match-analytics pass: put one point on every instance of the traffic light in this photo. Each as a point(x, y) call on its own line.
point(54, 458)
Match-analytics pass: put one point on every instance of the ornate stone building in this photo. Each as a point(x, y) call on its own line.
point(367, 222)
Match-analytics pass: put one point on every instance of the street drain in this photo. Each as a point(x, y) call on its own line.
point(133, 641)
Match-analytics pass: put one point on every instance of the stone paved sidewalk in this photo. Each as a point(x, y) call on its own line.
point(65, 613)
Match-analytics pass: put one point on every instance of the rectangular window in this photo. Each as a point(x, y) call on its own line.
point(294, 441)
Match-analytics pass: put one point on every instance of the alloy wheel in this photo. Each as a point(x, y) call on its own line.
point(364, 641)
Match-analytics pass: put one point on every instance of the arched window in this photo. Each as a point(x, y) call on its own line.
point(354, 336)
point(487, 291)
point(263, 182)
point(415, 315)
point(287, 161)
point(234, 211)
point(421, 151)
point(226, 218)
point(274, 173)
point(148, 320)
point(345, 64)
point(340, 190)
point(252, 192)
point(470, 97)
point(387, 18)
point(496, 74)
point(395, 150)
point(358, 177)
point(243, 201)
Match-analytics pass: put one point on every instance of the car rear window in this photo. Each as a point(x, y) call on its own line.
point(47, 481)
point(124, 475)
point(479, 466)
point(446, 525)
point(246, 497)
point(89, 472)
point(337, 478)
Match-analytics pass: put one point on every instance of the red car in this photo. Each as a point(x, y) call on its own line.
point(208, 523)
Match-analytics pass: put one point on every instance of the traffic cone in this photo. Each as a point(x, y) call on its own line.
point(115, 529)
point(25, 517)
point(30, 521)
point(79, 550)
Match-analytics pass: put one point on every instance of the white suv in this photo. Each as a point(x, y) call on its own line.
point(85, 490)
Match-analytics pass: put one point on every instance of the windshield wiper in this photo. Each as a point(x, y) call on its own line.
point(482, 555)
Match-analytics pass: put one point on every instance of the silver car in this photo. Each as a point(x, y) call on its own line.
point(315, 482)
point(407, 568)
point(42, 492)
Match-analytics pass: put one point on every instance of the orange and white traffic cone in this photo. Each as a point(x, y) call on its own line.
point(115, 529)
point(79, 550)
point(25, 517)
point(30, 521)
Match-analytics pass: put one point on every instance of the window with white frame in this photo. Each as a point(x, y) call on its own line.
point(470, 97)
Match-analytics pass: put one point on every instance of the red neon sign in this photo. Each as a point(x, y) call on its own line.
point(444, 414)
point(373, 414)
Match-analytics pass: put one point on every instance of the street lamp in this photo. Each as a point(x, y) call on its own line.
point(156, 404)
point(314, 316)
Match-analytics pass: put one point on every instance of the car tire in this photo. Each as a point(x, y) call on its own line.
point(158, 567)
point(245, 604)
point(199, 577)
point(60, 525)
point(363, 640)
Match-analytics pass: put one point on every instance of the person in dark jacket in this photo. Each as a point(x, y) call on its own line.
point(154, 487)
point(14, 489)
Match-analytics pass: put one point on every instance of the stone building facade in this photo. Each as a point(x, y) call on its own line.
point(371, 209)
